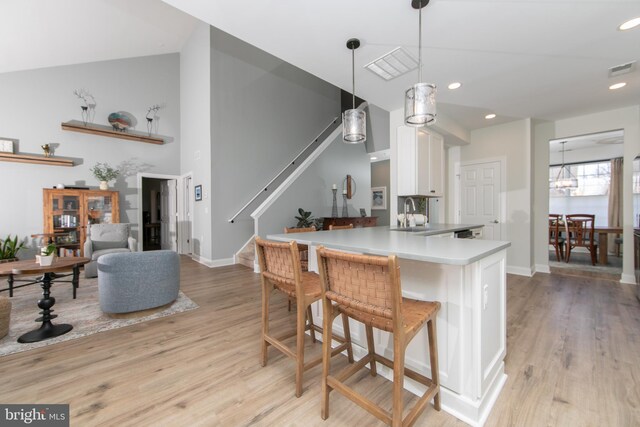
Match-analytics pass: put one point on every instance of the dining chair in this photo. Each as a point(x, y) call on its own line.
point(367, 289)
point(580, 233)
point(280, 270)
point(556, 227)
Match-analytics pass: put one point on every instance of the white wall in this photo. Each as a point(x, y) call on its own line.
point(35, 102)
point(627, 119)
point(543, 132)
point(195, 149)
point(511, 141)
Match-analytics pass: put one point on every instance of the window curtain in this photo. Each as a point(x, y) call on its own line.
point(615, 199)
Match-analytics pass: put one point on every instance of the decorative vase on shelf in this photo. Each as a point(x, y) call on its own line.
point(104, 185)
point(85, 114)
point(345, 209)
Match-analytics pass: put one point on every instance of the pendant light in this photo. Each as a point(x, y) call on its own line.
point(565, 179)
point(420, 99)
point(354, 122)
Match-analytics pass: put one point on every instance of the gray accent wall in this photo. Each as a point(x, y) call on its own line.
point(312, 190)
point(35, 102)
point(381, 177)
point(195, 119)
point(377, 129)
point(263, 112)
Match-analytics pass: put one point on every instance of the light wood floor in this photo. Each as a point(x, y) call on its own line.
point(573, 360)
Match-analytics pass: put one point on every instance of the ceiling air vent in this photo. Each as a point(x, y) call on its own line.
point(393, 64)
point(619, 70)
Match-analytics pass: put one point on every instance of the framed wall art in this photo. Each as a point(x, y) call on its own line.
point(378, 198)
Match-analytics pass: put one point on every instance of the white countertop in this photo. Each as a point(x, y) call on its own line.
point(433, 229)
point(407, 245)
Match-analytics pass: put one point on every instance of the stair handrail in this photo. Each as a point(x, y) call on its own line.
point(292, 162)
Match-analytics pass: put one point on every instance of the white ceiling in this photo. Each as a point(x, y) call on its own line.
point(545, 59)
point(43, 33)
point(610, 140)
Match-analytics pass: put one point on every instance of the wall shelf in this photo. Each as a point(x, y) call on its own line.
point(108, 131)
point(33, 158)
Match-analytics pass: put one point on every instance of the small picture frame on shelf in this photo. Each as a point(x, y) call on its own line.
point(378, 198)
point(6, 146)
point(198, 189)
point(363, 212)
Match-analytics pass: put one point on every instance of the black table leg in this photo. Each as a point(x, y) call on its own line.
point(74, 280)
point(47, 329)
point(10, 280)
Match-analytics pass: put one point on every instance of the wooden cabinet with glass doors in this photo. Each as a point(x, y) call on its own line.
point(68, 213)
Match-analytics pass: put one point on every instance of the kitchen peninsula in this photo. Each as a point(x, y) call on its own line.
point(468, 277)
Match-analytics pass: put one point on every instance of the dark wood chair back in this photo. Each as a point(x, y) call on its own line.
point(580, 233)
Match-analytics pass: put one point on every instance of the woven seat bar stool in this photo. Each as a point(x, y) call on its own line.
point(280, 270)
point(304, 249)
point(367, 289)
point(340, 227)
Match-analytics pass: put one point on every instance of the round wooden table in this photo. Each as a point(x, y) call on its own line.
point(49, 276)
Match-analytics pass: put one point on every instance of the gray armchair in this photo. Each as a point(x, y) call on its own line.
point(105, 239)
point(129, 282)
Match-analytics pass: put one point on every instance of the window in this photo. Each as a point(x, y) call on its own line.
point(593, 179)
point(636, 176)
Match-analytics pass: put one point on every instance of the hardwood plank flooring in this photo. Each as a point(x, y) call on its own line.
point(573, 359)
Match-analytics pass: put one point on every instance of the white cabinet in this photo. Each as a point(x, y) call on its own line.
point(420, 162)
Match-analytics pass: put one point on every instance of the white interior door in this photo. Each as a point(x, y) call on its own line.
point(168, 213)
point(480, 193)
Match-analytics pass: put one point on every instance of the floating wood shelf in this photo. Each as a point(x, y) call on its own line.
point(33, 158)
point(108, 131)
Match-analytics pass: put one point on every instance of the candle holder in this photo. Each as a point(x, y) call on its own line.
point(345, 209)
point(334, 209)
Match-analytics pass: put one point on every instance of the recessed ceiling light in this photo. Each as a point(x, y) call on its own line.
point(490, 116)
point(617, 86)
point(454, 85)
point(374, 158)
point(632, 23)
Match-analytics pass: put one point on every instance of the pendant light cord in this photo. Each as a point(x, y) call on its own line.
point(420, 42)
point(353, 78)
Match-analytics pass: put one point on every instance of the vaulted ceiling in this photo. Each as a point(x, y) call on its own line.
point(545, 59)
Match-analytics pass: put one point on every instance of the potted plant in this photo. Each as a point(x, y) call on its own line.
point(47, 254)
point(304, 219)
point(9, 249)
point(104, 173)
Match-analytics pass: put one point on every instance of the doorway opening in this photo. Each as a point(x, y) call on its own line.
point(165, 212)
point(585, 204)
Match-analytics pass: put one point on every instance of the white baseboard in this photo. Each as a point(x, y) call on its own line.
point(542, 268)
point(212, 263)
point(519, 271)
point(629, 279)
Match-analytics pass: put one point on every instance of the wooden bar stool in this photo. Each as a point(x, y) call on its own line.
point(367, 289)
point(280, 270)
point(340, 227)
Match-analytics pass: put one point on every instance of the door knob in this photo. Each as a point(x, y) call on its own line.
point(495, 221)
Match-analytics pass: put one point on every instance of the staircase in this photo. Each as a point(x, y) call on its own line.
point(247, 254)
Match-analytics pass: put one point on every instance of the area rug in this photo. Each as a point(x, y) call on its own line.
point(83, 313)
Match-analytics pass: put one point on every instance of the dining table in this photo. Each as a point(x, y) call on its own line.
point(603, 241)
